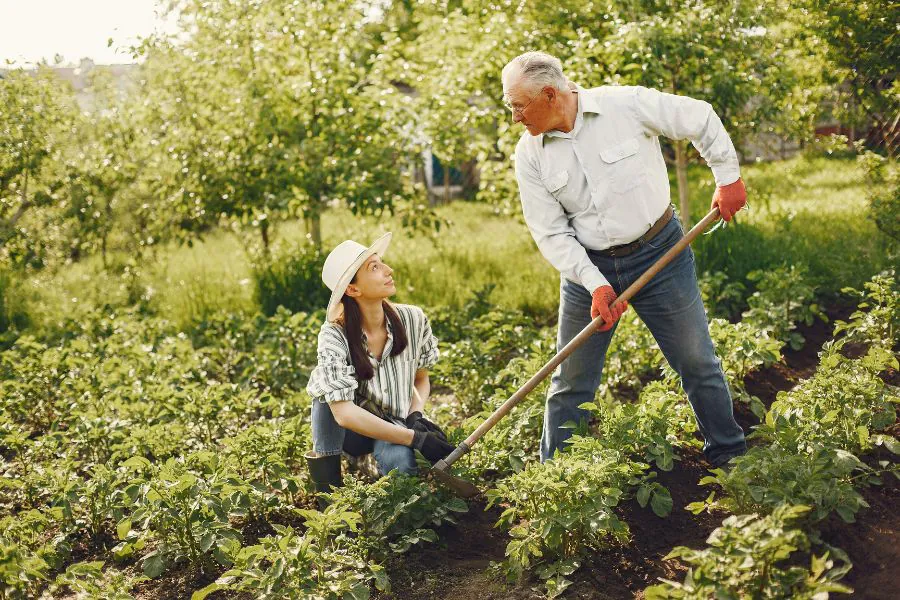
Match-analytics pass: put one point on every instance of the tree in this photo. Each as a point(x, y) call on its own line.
point(37, 112)
point(267, 111)
point(862, 43)
point(715, 50)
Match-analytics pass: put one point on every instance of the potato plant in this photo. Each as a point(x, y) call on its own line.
point(753, 556)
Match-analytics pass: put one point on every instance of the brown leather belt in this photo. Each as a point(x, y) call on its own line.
point(626, 249)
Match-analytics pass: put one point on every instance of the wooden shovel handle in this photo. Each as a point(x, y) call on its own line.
point(579, 339)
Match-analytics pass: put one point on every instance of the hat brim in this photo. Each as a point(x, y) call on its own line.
point(335, 307)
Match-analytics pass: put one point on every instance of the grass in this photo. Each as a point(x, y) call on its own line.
point(810, 211)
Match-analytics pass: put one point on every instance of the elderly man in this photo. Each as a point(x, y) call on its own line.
point(595, 196)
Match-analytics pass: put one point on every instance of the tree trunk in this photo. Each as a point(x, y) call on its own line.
point(683, 192)
point(23, 208)
point(264, 232)
point(314, 229)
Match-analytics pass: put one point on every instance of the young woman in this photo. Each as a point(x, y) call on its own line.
point(371, 382)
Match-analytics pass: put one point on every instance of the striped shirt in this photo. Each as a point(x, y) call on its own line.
point(389, 393)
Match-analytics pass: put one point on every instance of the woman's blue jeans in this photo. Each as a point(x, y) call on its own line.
point(671, 307)
point(329, 438)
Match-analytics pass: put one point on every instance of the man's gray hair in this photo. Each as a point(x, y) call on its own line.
point(537, 70)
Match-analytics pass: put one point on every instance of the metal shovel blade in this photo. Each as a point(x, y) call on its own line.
point(460, 487)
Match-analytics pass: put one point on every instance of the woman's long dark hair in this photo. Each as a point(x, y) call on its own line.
point(353, 329)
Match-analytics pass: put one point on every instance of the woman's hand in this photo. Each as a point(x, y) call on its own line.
point(416, 421)
point(431, 446)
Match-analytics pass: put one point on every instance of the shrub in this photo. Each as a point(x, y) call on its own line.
point(292, 279)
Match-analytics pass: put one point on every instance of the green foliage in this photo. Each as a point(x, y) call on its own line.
point(274, 354)
point(825, 479)
point(185, 511)
point(396, 512)
point(883, 183)
point(471, 367)
point(859, 39)
point(513, 442)
point(37, 115)
point(13, 309)
point(633, 356)
point(755, 557)
point(263, 460)
point(90, 580)
point(312, 565)
point(783, 299)
point(813, 434)
point(650, 429)
point(29, 550)
point(877, 318)
point(722, 297)
point(844, 405)
point(292, 279)
point(563, 508)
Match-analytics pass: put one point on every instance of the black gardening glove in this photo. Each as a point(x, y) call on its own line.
point(416, 421)
point(430, 445)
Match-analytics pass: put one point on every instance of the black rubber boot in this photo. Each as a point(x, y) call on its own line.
point(325, 473)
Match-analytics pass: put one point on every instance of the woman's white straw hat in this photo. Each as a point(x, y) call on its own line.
point(342, 264)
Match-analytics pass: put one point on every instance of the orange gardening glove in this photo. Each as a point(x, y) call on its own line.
point(601, 299)
point(729, 199)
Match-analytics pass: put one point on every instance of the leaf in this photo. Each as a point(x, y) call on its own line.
point(153, 565)
point(123, 528)
point(643, 495)
point(661, 503)
point(203, 593)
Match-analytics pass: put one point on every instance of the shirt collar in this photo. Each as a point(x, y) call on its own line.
point(586, 103)
point(388, 345)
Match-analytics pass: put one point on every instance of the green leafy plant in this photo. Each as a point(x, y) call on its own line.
point(187, 514)
point(722, 297)
point(563, 508)
point(650, 429)
point(742, 348)
point(315, 564)
point(752, 556)
point(877, 317)
point(396, 512)
point(826, 480)
point(783, 299)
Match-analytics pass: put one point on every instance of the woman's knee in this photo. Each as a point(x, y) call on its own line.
point(394, 456)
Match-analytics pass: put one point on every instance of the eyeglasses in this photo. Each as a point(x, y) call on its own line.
point(520, 111)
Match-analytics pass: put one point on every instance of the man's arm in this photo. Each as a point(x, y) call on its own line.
point(550, 228)
point(681, 117)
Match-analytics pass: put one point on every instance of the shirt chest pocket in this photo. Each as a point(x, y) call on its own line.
point(560, 188)
point(622, 166)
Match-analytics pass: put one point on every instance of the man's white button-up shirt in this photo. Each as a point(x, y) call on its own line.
point(605, 183)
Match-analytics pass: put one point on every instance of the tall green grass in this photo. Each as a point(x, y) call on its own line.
point(802, 211)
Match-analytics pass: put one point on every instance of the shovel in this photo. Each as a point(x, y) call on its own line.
point(466, 489)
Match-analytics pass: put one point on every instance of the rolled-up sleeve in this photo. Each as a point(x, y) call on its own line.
point(549, 226)
point(682, 117)
point(334, 378)
point(428, 353)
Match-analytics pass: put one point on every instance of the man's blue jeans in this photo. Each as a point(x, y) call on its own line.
point(329, 438)
point(671, 307)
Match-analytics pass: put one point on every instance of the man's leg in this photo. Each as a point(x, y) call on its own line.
point(672, 308)
point(390, 456)
point(576, 380)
